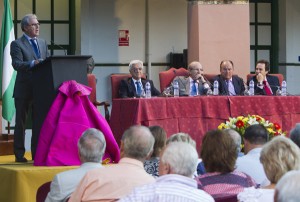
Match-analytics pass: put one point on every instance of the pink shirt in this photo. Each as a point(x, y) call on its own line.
point(112, 182)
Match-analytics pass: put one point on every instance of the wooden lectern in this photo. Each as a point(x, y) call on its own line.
point(47, 77)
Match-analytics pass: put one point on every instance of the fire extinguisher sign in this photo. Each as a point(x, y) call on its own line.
point(123, 37)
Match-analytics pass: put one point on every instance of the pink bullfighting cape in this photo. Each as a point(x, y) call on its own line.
point(70, 114)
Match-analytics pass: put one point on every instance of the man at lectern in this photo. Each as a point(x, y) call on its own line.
point(26, 52)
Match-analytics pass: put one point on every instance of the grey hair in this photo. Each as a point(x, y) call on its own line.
point(91, 145)
point(287, 188)
point(132, 62)
point(236, 138)
point(182, 158)
point(295, 134)
point(137, 142)
point(181, 137)
point(25, 20)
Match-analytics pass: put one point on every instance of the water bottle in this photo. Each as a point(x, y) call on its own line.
point(216, 88)
point(283, 88)
point(176, 89)
point(251, 87)
point(148, 90)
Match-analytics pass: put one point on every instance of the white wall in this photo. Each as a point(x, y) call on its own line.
point(289, 43)
point(101, 20)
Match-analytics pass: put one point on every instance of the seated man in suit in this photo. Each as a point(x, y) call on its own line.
point(229, 84)
point(264, 84)
point(195, 83)
point(91, 147)
point(134, 86)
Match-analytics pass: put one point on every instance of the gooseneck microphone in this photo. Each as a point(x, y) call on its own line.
point(62, 48)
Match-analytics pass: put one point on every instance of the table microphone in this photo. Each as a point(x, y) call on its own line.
point(62, 48)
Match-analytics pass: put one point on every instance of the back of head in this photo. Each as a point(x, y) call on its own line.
point(181, 157)
point(91, 146)
point(256, 134)
point(287, 188)
point(295, 134)
point(279, 156)
point(218, 152)
point(160, 137)
point(181, 137)
point(137, 143)
point(236, 138)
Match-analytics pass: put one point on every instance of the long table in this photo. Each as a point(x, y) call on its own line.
point(197, 115)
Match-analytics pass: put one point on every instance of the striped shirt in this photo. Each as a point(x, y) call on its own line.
point(168, 188)
point(218, 184)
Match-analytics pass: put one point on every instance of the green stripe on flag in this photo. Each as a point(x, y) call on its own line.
point(8, 74)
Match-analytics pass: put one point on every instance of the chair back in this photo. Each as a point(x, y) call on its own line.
point(279, 76)
point(166, 77)
point(92, 84)
point(210, 77)
point(115, 83)
point(42, 192)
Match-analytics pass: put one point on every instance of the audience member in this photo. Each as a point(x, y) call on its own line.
point(278, 156)
point(287, 188)
point(195, 83)
point(295, 134)
point(184, 137)
point(90, 65)
point(264, 84)
point(91, 147)
point(219, 154)
point(160, 137)
point(135, 85)
point(178, 162)
point(237, 140)
point(254, 138)
point(115, 181)
point(229, 84)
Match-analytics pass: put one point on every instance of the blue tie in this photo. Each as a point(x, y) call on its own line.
point(138, 88)
point(194, 88)
point(35, 48)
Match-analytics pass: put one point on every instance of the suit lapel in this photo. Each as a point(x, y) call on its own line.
point(28, 45)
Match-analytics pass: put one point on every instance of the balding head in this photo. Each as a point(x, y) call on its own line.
point(137, 143)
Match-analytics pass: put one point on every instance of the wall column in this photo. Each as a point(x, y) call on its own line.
point(219, 30)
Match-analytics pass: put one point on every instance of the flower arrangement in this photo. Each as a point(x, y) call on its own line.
point(240, 124)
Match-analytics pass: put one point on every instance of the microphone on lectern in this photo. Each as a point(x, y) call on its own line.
point(62, 48)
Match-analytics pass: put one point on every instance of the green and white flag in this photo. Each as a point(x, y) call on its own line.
point(8, 74)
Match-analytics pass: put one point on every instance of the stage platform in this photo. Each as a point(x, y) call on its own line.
point(20, 181)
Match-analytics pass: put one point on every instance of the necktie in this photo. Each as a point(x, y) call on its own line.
point(230, 86)
point(35, 47)
point(267, 88)
point(138, 88)
point(194, 89)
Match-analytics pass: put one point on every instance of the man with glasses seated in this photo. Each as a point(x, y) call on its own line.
point(135, 85)
point(195, 84)
point(229, 84)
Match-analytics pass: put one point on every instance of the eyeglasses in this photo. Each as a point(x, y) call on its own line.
point(35, 25)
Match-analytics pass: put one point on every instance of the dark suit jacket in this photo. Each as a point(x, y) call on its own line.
point(22, 55)
point(273, 82)
point(238, 84)
point(127, 88)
